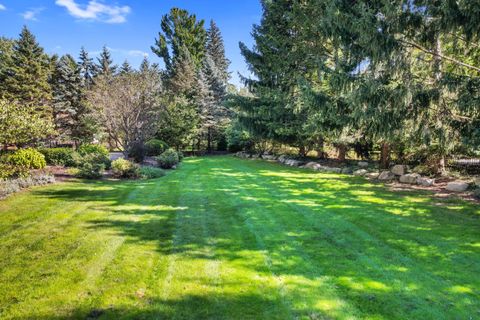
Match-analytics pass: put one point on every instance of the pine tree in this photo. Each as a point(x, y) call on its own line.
point(125, 68)
point(6, 52)
point(180, 30)
point(87, 67)
point(145, 65)
point(183, 74)
point(105, 65)
point(216, 50)
point(29, 72)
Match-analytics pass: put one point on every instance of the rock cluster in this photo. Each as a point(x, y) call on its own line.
point(398, 172)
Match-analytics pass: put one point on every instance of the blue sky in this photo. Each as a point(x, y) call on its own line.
point(127, 27)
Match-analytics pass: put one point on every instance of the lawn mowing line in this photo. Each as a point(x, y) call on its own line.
point(71, 253)
point(275, 226)
point(265, 252)
point(364, 258)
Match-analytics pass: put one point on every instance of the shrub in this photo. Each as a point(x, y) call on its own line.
point(168, 159)
point(155, 147)
point(151, 173)
point(27, 158)
point(93, 151)
point(8, 171)
point(137, 152)
point(90, 166)
point(58, 156)
point(125, 169)
point(85, 149)
point(180, 156)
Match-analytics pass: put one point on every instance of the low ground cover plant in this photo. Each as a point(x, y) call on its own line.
point(151, 172)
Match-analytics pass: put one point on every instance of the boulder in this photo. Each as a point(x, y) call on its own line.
point(255, 156)
point(347, 170)
point(399, 169)
point(372, 175)
point(386, 176)
point(426, 182)
point(312, 165)
point(293, 163)
point(360, 172)
point(333, 169)
point(282, 158)
point(410, 178)
point(457, 186)
point(362, 164)
point(268, 157)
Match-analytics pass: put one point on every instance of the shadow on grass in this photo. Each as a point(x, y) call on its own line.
point(384, 254)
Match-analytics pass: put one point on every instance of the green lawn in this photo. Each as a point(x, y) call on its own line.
point(225, 238)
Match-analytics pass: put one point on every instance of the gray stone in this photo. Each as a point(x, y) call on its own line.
point(372, 175)
point(268, 157)
point(426, 182)
point(282, 158)
point(399, 169)
point(347, 170)
point(457, 186)
point(410, 178)
point(312, 165)
point(362, 164)
point(360, 172)
point(333, 169)
point(386, 176)
point(476, 181)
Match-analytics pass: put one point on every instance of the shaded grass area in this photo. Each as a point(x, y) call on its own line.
point(225, 238)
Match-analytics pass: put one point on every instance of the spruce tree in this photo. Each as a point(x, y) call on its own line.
point(28, 73)
point(180, 30)
point(216, 51)
point(87, 67)
point(125, 68)
point(105, 65)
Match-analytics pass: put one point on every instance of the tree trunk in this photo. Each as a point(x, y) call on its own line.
point(441, 166)
point(302, 151)
point(342, 152)
point(321, 149)
point(209, 140)
point(385, 156)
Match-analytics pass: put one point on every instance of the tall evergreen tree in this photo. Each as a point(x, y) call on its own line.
point(28, 73)
point(216, 50)
point(105, 65)
point(180, 30)
point(73, 118)
point(87, 67)
point(125, 68)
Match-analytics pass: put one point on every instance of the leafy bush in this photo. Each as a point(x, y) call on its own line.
point(90, 166)
point(155, 147)
point(93, 151)
point(14, 185)
point(238, 139)
point(168, 159)
point(151, 173)
point(27, 158)
point(58, 156)
point(125, 169)
point(85, 149)
point(137, 152)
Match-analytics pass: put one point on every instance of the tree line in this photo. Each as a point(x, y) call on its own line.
point(400, 78)
point(51, 99)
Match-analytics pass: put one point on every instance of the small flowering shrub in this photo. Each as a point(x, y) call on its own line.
point(168, 159)
point(122, 168)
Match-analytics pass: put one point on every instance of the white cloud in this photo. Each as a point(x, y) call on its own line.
point(2, 7)
point(32, 14)
point(96, 10)
point(123, 52)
